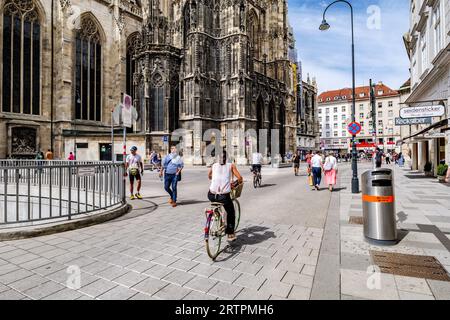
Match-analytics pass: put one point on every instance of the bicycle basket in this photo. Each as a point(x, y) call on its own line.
point(236, 192)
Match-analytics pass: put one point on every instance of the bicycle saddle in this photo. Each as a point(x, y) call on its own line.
point(216, 204)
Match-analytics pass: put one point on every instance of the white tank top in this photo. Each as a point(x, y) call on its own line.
point(221, 178)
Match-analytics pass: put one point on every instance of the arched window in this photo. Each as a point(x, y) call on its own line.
point(21, 58)
point(133, 43)
point(88, 76)
point(253, 33)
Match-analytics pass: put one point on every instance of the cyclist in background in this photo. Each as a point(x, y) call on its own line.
point(257, 159)
point(221, 175)
point(135, 170)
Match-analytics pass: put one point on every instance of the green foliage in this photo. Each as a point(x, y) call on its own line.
point(442, 170)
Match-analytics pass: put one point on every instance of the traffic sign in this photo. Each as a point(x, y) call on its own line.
point(354, 128)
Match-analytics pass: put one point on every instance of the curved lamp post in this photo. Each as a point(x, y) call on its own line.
point(323, 27)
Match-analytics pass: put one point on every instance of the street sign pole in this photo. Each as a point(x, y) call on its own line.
point(112, 136)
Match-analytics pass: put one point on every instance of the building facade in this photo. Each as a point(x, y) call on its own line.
point(308, 135)
point(335, 114)
point(428, 46)
point(192, 65)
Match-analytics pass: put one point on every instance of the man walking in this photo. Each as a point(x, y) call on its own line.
point(135, 169)
point(378, 158)
point(171, 169)
point(296, 161)
point(388, 158)
point(317, 164)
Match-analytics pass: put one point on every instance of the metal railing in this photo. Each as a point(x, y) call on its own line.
point(38, 191)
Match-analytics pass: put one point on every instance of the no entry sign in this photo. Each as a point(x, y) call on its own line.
point(354, 128)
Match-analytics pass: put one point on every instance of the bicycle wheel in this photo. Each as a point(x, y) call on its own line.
point(259, 180)
point(237, 210)
point(255, 181)
point(214, 232)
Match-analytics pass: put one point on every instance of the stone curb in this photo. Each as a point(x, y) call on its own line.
point(38, 231)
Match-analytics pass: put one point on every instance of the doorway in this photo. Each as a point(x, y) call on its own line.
point(105, 151)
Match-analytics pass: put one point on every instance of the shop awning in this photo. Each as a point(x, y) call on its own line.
point(436, 125)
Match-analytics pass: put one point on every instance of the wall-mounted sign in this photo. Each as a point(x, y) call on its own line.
point(412, 121)
point(434, 135)
point(86, 171)
point(422, 112)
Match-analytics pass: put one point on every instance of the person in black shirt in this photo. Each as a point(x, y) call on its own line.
point(296, 161)
point(379, 158)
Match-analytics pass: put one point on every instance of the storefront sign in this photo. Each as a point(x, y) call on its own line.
point(422, 112)
point(412, 121)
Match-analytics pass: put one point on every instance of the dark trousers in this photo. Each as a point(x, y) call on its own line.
point(317, 176)
point(171, 180)
point(225, 199)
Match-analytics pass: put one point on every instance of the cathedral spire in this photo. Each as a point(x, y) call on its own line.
point(154, 8)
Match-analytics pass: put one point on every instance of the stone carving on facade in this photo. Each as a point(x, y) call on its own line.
point(23, 141)
point(120, 23)
point(19, 7)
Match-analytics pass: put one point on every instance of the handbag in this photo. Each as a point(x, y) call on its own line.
point(179, 176)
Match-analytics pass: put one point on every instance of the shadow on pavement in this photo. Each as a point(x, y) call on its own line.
point(268, 185)
point(189, 202)
point(339, 189)
point(137, 212)
point(247, 236)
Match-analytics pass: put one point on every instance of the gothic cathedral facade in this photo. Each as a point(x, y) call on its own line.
point(189, 65)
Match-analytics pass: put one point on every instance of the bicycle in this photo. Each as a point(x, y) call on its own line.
point(215, 228)
point(257, 178)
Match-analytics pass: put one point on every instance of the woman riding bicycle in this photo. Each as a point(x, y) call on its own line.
point(221, 175)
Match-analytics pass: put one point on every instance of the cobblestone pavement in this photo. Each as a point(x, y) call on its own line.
point(294, 243)
point(423, 213)
point(157, 252)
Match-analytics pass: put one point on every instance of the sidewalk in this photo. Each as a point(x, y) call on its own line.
point(423, 211)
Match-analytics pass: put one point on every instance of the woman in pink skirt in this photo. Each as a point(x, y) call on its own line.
point(330, 168)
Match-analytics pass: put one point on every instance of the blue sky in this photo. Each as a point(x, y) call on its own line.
point(379, 49)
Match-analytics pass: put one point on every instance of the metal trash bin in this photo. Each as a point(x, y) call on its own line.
point(379, 206)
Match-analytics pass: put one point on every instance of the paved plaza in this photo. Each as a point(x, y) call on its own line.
point(293, 243)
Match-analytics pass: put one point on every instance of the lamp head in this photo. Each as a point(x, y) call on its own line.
point(324, 26)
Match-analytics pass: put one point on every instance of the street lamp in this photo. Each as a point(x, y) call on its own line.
point(323, 27)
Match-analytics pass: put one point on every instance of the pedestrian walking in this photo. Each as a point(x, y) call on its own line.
point(40, 160)
point(171, 169)
point(447, 177)
point(134, 168)
point(316, 165)
point(296, 160)
point(401, 160)
point(49, 155)
point(378, 158)
point(330, 168)
point(388, 158)
point(221, 175)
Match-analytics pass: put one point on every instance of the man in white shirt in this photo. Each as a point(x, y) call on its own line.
point(257, 160)
point(135, 170)
point(317, 165)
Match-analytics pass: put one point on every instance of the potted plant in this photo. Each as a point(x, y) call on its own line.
point(428, 168)
point(442, 172)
